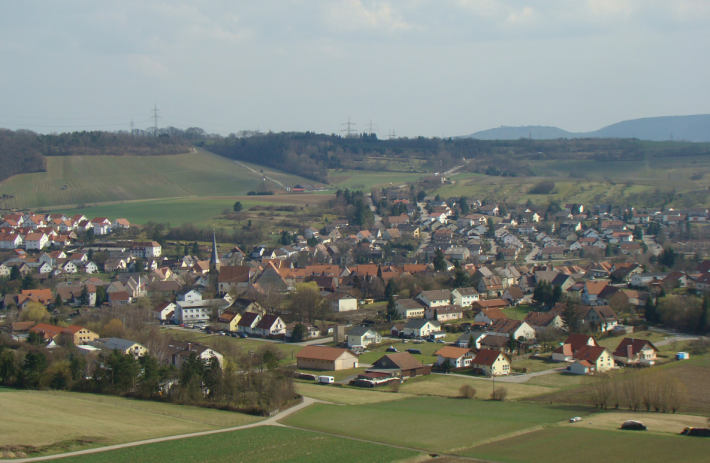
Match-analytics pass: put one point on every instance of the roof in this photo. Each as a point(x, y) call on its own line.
point(410, 304)
point(451, 352)
point(467, 291)
point(636, 346)
point(494, 313)
point(565, 349)
point(436, 295)
point(540, 318)
point(505, 325)
point(515, 292)
point(117, 343)
point(322, 353)
point(358, 330)
point(491, 303)
point(488, 357)
point(577, 341)
point(591, 353)
point(418, 323)
point(248, 319)
point(404, 360)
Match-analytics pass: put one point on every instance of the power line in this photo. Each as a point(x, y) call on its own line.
point(348, 129)
point(155, 120)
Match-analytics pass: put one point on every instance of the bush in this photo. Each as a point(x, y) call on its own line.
point(499, 394)
point(542, 188)
point(467, 391)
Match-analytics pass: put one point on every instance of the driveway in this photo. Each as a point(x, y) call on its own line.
point(512, 378)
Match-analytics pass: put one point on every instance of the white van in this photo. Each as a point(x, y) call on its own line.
point(326, 379)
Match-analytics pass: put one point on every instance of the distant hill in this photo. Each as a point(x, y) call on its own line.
point(689, 128)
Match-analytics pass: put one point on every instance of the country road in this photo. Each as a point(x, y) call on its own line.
point(261, 174)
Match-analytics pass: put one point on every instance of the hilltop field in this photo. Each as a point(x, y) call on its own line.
point(110, 179)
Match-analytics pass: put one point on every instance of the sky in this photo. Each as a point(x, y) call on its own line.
point(412, 67)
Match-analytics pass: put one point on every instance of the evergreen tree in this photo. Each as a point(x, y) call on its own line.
point(391, 308)
point(439, 261)
point(15, 273)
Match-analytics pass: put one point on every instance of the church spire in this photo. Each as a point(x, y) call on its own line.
point(214, 258)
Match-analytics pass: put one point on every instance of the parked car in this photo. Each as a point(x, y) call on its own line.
point(414, 351)
point(440, 341)
point(391, 349)
point(242, 335)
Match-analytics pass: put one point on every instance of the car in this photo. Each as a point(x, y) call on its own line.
point(242, 335)
point(414, 351)
point(575, 419)
point(391, 349)
point(440, 341)
point(208, 331)
point(429, 340)
point(234, 335)
point(418, 341)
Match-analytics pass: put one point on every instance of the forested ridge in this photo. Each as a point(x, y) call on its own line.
point(310, 155)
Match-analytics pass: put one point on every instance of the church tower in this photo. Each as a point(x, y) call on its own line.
point(214, 265)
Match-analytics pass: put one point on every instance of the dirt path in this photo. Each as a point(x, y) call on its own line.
point(262, 174)
point(272, 421)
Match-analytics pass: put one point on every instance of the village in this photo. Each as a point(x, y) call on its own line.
point(483, 290)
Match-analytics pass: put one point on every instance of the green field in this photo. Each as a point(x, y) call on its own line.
point(591, 446)
point(364, 180)
point(347, 395)
point(430, 423)
point(57, 420)
point(449, 385)
point(101, 179)
point(179, 211)
point(262, 444)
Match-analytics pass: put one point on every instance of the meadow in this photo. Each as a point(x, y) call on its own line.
point(430, 423)
point(449, 386)
point(364, 180)
point(101, 179)
point(591, 445)
point(261, 444)
point(54, 421)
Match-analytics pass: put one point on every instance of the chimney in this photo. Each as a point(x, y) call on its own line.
point(629, 351)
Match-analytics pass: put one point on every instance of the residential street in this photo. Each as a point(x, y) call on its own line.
point(512, 378)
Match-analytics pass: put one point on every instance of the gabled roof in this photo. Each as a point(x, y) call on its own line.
point(248, 319)
point(595, 287)
point(451, 352)
point(590, 353)
point(540, 318)
point(418, 323)
point(403, 360)
point(488, 357)
point(636, 346)
point(436, 295)
point(577, 341)
point(494, 313)
point(267, 321)
point(322, 353)
point(359, 330)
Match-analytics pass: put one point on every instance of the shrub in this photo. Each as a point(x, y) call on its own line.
point(499, 394)
point(542, 188)
point(467, 391)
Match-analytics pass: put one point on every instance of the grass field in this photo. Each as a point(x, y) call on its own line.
point(262, 444)
point(347, 395)
point(448, 386)
point(364, 180)
point(518, 312)
point(592, 446)
point(430, 423)
point(38, 419)
point(179, 211)
point(99, 179)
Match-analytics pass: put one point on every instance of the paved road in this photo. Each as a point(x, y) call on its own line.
point(512, 378)
point(654, 247)
point(530, 258)
point(303, 343)
point(261, 174)
point(272, 421)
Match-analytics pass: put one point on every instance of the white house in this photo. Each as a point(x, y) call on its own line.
point(436, 298)
point(420, 328)
point(164, 311)
point(409, 308)
point(458, 357)
point(362, 336)
point(342, 302)
point(464, 297)
point(189, 295)
point(270, 325)
point(36, 241)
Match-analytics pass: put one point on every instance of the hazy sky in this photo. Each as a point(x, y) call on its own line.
point(417, 67)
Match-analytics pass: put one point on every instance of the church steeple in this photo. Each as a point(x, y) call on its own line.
point(214, 258)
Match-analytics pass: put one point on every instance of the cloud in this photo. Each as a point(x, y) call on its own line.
point(150, 66)
point(353, 15)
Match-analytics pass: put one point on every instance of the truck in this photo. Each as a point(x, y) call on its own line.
point(326, 379)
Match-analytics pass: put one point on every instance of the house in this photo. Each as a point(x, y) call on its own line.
point(409, 308)
point(342, 302)
point(121, 223)
point(436, 298)
point(79, 335)
point(36, 241)
point(164, 312)
point(270, 325)
point(582, 367)
point(227, 321)
point(518, 329)
point(247, 324)
point(464, 297)
point(572, 344)
point(513, 295)
point(178, 352)
point(122, 345)
point(189, 295)
point(493, 286)
point(600, 317)
point(362, 336)
point(457, 357)
point(540, 320)
point(311, 331)
point(599, 357)
point(119, 298)
point(401, 365)
point(74, 294)
point(487, 316)
point(491, 363)
point(420, 328)
point(325, 358)
point(552, 252)
point(632, 351)
point(234, 278)
point(591, 291)
point(445, 313)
